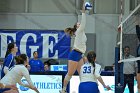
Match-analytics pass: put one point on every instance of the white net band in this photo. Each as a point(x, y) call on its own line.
point(129, 59)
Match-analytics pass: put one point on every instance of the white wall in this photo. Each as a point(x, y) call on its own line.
point(106, 34)
point(126, 9)
point(52, 6)
point(90, 23)
point(43, 21)
point(38, 6)
point(12, 6)
point(37, 21)
point(56, 6)
point(106, 6)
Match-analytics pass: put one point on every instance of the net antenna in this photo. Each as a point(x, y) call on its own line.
point(127, 33)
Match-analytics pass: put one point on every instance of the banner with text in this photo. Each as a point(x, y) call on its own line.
point(48, 43)
point(44, 84)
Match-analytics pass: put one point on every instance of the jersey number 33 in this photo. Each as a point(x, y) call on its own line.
point(87, 69)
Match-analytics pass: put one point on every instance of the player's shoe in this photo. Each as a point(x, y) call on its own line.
point(62, 91)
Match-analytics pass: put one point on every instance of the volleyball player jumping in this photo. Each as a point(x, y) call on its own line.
point(75, 59)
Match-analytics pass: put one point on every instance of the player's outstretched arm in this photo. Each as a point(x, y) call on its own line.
point(83, 8)
point(102, 82)
point(83, 19)
point(8, 86)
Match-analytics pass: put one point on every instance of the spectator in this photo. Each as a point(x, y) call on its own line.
point(46, 66)
point(129, 69)
point(36, 65)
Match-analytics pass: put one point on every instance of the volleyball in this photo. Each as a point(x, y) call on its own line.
point(88, 6)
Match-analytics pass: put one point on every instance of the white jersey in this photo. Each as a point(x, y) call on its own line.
point(15, 75)
point(80, 38)
point(87, 72)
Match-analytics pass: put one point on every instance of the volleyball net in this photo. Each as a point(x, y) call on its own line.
point(127, 34)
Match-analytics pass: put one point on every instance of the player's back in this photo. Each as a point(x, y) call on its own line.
point(14, 75)
point(86, 73)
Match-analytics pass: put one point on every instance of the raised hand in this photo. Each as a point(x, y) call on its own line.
point(83, 8)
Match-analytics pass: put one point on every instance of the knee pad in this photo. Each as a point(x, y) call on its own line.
point(67, 77)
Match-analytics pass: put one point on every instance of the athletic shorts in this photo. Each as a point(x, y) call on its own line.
point(88, 87)
point(75, 56)
point(4, 89)
point(138, 63)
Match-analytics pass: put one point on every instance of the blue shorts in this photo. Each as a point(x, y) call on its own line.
point(88, 87)
point(4, 89)
point(75, 56)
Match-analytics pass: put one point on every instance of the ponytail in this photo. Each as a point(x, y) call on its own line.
point(7, 53)
point(9, 48)
point(70, 30)
point(93, 64)
point(91, 56)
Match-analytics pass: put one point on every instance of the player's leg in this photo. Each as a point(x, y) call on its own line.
point(11, 91)
point(80, 63)
point(8, 88)
point(74, 58)
point(138, 81)
point(72, 66)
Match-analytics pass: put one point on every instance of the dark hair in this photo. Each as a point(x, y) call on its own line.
point(70, 30)
point(34, 52)
point(47, 63)
point(126, 47)
point(21, 58)
point(9, 48)
point(91, 56)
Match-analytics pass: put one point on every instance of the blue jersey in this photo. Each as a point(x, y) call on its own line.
point(8, 62)
point(36, 65)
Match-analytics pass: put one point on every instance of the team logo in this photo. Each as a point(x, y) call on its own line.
point(22, 88)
